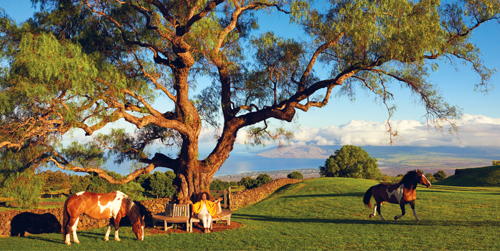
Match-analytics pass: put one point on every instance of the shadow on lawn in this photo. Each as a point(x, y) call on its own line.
point(333, 195)
point(370, 221)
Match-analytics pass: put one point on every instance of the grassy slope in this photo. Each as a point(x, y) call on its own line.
point(482, 176)
point(325, 213)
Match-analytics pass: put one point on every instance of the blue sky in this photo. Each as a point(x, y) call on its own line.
point(362, 122)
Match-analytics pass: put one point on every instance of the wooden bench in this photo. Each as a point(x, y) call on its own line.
point(222, 214)
point(181, 213)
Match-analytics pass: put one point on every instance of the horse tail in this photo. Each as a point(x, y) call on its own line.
point(65, 225)
point(367, 197)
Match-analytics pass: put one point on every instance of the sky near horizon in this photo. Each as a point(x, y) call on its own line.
point(362, 122)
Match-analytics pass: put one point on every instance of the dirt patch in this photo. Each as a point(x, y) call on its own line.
point(197, 228)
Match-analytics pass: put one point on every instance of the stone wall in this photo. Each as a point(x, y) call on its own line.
point(247, 197)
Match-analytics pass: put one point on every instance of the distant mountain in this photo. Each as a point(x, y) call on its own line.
point(298, 152)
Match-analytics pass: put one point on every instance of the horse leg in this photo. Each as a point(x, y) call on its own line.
point(378, 210)
point(117, 224)
point(412, 204)
point(374, 211)
point(73, 228)
point(106, 237)
point(402, 205)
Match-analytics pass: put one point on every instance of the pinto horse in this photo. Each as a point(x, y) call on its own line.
point(401, 193)
point(114, 206)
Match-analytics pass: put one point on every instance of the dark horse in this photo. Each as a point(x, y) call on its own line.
point(401, 193)
point(114, 206)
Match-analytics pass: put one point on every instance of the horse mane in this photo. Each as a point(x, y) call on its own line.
point(133, 211)
point(409, 178)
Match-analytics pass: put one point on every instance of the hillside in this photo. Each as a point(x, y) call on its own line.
point(474, 177)
point(299, 152)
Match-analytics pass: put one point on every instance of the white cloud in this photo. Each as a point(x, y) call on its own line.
point(473, 130)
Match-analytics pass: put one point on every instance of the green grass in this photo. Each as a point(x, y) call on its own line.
point(482, 176)
point(325, 213)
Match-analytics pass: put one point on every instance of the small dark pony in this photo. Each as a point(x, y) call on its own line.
point(114, 206)
point(401, 193)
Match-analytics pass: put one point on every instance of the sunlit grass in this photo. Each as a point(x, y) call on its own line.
point(325, 213)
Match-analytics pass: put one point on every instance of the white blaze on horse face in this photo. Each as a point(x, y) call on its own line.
point(398, 192)
point(80, 193)
point(113, 206)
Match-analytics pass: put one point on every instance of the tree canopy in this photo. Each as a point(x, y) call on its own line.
point(351, 161)
point(84, 64)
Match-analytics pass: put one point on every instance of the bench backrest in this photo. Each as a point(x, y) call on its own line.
point(177, 210)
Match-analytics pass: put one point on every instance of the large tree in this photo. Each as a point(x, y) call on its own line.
point(87, 63)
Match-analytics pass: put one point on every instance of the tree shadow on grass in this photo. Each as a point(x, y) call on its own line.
point(370, 221)
point(311, 220)
point(326, 195)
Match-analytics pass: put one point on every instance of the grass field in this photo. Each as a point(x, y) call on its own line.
point(325, 213)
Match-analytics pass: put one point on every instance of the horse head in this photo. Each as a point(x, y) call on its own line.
point(422, 179)
point(138, 228)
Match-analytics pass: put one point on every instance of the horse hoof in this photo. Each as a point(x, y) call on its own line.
point(396, 218)
point(418, 221)
point(371, 215)
point(116, 239)
point(106, 239)
point(68, 243)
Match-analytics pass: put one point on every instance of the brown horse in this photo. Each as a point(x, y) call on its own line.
point(114, 206)
point(401, 193)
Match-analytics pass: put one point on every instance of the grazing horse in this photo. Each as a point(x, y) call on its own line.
point(401, 193)
point(114, 206)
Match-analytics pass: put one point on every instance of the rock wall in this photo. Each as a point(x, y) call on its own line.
point(247, 197)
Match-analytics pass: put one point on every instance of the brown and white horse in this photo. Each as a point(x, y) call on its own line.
point(114, 206)
point(401, 193)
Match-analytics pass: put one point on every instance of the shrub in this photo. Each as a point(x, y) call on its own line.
point(496, 163)
point(351, 161)
point(219, 185)
point(295, 175)
point(440, 175)
point(25, 188)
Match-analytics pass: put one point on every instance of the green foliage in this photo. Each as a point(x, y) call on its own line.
point(219, 185)
point(95, 184)
point(430, 177)
point(496, 163)
point(295, 175)
point(162, 184)
point(26, 188)
point(263, 178)
point(79, 183)
point(55, 181)
point(351, 161)
point(439, 175)
point(250, 183)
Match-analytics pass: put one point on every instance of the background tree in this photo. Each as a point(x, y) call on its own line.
point(351, 161)
point(496, 163)
point(248, 182)
point(219, 185)
point(263, 178)
point(88, 63)
point(439, 175)
point(56, 181)
point(430, 177)
point(26, 188)
point(295, 175)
